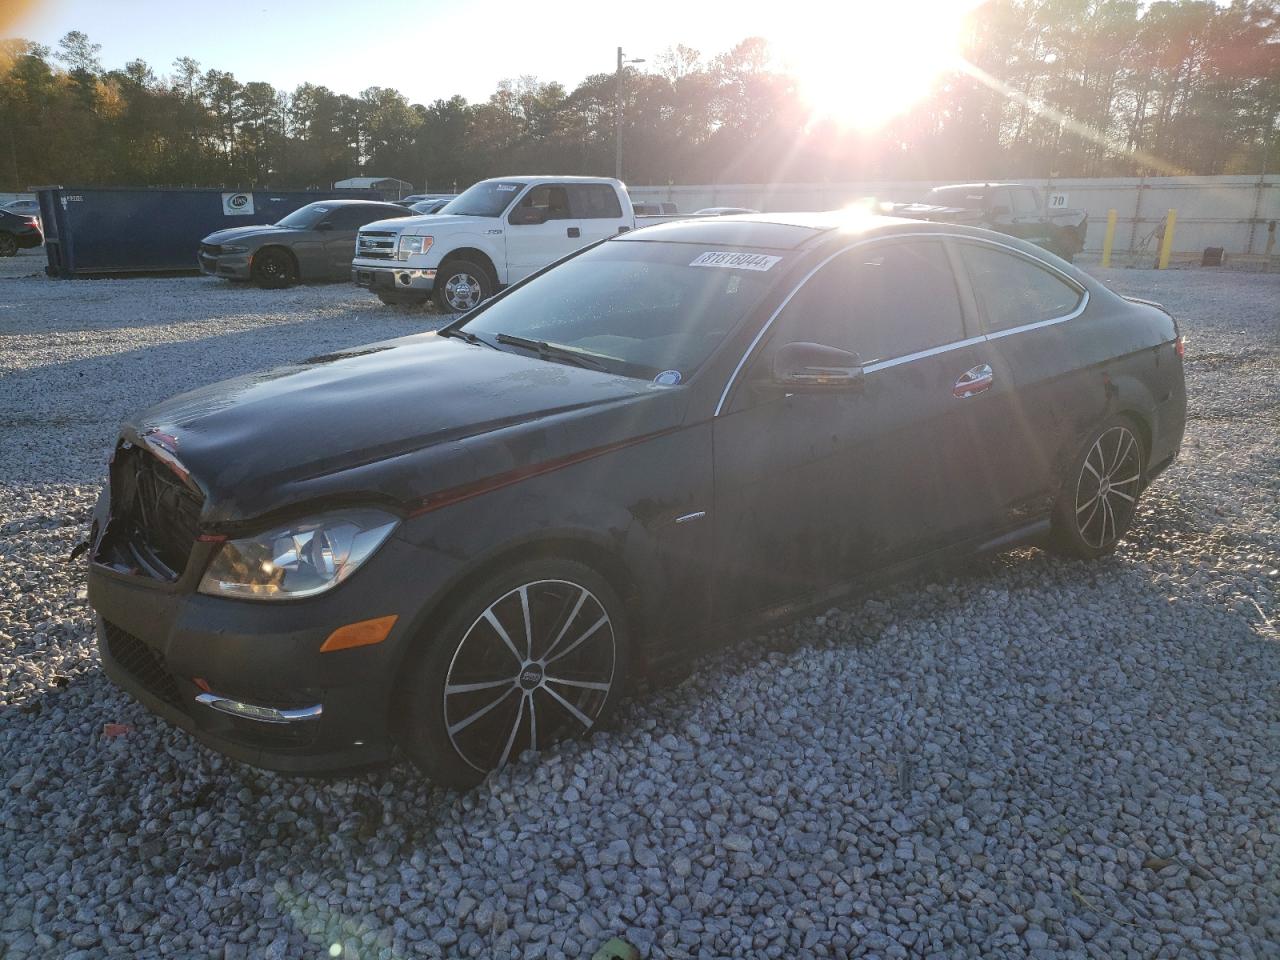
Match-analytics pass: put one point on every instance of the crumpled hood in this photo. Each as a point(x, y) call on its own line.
point(394, 421)
point(929, 211)
point(232, 234)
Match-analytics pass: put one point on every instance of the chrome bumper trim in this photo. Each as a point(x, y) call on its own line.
point(251, 711)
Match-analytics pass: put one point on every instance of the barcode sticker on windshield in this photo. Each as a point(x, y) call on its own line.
point(734, 261)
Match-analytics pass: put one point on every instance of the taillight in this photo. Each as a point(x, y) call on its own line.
point(32, 221)
point(1180, 345)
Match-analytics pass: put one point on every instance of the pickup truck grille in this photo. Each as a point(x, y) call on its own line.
point(376, 243)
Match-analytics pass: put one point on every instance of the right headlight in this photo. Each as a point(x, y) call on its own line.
point(297, 559)
point(412, 247)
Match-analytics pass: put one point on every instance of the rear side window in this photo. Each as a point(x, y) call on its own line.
point(1013, 291)
point(594, 201)
point(350, 218)
point(880, 301)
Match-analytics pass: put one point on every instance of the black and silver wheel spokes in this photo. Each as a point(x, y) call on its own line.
point(1108, 486)
point(535, 665)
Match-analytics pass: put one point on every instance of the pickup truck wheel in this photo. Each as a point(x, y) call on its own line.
point(272, 268)
point(8, 245)
point(461, 285)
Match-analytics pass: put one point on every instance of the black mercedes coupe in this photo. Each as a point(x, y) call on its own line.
point(465, 544)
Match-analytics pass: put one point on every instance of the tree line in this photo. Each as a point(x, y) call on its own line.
point(1059, 88)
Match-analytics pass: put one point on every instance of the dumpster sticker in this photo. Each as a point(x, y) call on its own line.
point(1057, 201)
point(237, 204)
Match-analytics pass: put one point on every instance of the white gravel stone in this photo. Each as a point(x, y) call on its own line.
point(1037, 756)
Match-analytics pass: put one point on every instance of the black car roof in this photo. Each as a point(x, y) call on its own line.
point(352, 202)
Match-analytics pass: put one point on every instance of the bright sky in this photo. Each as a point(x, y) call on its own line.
point(425, 48)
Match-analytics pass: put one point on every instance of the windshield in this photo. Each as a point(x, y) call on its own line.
point(427, 206)
point(639, 308)
point(487, 199)
point(304, 218)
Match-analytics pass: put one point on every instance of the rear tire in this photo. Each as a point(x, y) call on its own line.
point(274, 268)
point(8, 245)
point(471, 699)
point(461, 285)
point(1099, 496)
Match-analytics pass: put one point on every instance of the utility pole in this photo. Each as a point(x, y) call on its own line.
point(617, 114)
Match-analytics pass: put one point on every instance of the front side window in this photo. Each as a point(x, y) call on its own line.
point(549, 199)
point(638, 309)
point(594, 201)
point(1012, 291)
point(880, 301)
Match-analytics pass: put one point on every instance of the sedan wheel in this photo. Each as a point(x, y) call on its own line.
point(8, 245)
point(535, 661)
point(273, 268)
point(1098, 504)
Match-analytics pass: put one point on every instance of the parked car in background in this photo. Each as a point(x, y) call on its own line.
point(722, 211)
point(18, 231)
point(418, 198)
point(467, 544)
point(495, 233)
point(314, 242)
point(423, 207)
point(1011, 208)
point(655, 208)
point(29, 208)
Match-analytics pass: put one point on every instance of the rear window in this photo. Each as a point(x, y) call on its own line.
point(1012, 291)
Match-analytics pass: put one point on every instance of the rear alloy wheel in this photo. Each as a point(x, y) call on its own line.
point(461, 285)
point(1098, 502)
point(534, 655)
point(273, 268)
point(8, 245)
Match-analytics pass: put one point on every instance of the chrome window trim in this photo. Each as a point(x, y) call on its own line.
point(932, 351)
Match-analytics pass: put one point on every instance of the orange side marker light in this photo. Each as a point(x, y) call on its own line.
point(364, 633)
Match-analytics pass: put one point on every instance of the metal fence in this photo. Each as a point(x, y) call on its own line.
point(1232, 212)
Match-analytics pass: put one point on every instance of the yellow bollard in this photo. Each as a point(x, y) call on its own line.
point(1166, 244)
point(1109, 239)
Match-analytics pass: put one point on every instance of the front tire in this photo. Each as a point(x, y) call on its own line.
point(535, 653)
point(273, 268)
point(8, 245)
point(1099, 495)
point(461, 285)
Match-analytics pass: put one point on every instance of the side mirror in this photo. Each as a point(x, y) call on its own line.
point(802, 365)
point(324, 225)
point(527, 216)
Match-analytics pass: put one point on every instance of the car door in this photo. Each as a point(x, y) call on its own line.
point(597, 209)
point(340, 237)
point(1025, 306)
point(540, 230)
point(814, 487)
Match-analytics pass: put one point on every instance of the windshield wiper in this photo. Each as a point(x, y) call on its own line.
point(549, 351)
point(466, 335)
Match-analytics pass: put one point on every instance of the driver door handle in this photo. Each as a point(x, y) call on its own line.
point(973, 381)
point(574, 232)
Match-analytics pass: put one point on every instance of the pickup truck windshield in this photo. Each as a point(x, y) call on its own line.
point(486, 199)
point(635, 308)
point(304, 218)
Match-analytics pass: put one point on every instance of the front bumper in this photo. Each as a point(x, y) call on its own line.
point(171, 647)
point(228, 266)
point(391, 278)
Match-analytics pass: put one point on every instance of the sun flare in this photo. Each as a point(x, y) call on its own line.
point(877, 60)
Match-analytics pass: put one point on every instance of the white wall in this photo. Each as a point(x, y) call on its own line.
point(1212, 211)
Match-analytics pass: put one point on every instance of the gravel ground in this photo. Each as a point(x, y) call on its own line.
point(1035, 758)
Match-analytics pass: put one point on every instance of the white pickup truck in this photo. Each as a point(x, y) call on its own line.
point(494, 234)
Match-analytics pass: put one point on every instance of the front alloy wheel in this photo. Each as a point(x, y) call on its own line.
point(461, 286)
point(1097, 506)
point(536, 655)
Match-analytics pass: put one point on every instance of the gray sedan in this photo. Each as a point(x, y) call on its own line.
point(315, 242)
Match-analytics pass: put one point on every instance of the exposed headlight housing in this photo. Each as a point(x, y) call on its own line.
point(297, 559)
point(412, 247)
